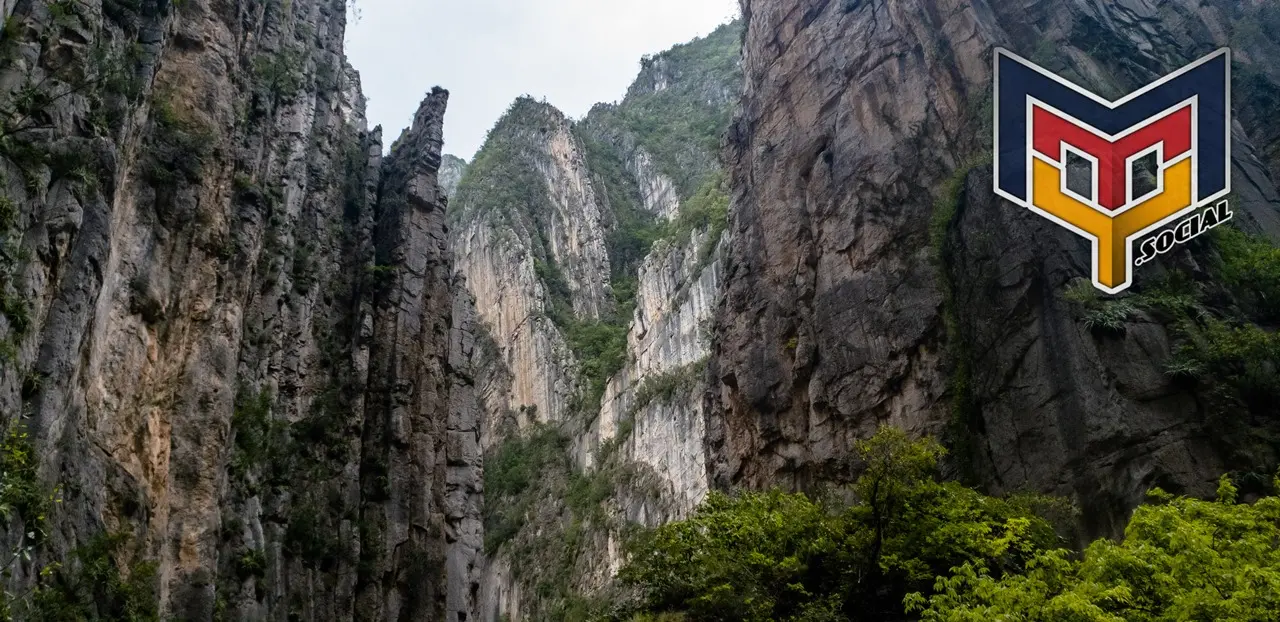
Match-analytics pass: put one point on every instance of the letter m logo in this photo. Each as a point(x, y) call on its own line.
point(1075, 158)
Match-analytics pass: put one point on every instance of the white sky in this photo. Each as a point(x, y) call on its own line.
point(574, 53)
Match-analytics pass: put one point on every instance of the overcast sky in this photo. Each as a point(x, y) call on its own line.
point(488, 52)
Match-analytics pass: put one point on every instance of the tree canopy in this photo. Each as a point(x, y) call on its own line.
point(1180, 559)
point(911, 547)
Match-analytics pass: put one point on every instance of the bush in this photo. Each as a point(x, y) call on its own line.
point(279, 73)
point(1098, 314)
point(21, 494)
point(707, 209)
point(665, 386)
point(251, 563)
point(1251, 267)
point(1109, 316)
point(941, 552)
point(559, 296)
point(309, 537)
point(601, 349)
point(92, 586)
point(588, 491)
point(261, 443)
point(179, 146)
point(1244, 357)
point(511, 470)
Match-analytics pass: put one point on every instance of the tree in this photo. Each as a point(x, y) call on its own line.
point(780, 556)
point(1181, 559)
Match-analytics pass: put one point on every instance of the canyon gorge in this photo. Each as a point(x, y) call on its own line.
point(257, 365)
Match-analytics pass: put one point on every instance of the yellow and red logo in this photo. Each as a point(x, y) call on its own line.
point(1047, 127)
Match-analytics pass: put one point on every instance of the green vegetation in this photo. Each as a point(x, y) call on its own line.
point(251, 563)
point(24, 506)
point(662, 388)
point(601, 350)
point(269, 454)
point(502, 179)
point(1103, 316)
point(355, 179)
point(21, 495)
point(634, 230)
point(258, 437)
point(965, 416)
point(89, 584)
point(678, 118)
point(601, 346)
point(1225, 349)
point(543, 513)
point(12, 306)
point(1232, 355)
point(303, 268)
point(777, 556)
point(280, 73)
point(511, 471)
point(669, 107)
point(587, 491)
point(93, 586)
point(179, 145)
point(707, 209)
point(1251, 266)
point(910, 547)
point(98, 74)
point(1181, 559)
point(948, 205)
point(1242, 357)
point(309, 538)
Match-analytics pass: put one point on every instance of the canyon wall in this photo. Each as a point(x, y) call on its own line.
point(227, 323)
point(873, 278)
point(590, 248)
point(257, 369)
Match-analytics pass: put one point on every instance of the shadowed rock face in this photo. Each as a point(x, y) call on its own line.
point(237, 322)
point(842, 312)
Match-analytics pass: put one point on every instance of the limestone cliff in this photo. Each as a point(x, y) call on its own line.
point(227, 323)
point(451, 170)
point(590, 248)
point(872, 278)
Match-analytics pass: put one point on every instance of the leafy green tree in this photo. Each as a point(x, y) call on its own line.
point(779, 556)
point(1181, 559)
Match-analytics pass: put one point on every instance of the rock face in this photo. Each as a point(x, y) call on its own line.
point(530, 243)
point(464, 473)
point(452, 168)
point(274, 375)
point(228, 319)
point(590, 372)
point(860, 291)
point(652, 405)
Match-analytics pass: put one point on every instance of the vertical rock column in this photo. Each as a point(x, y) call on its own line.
point(402, 566)
point(464, 471)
